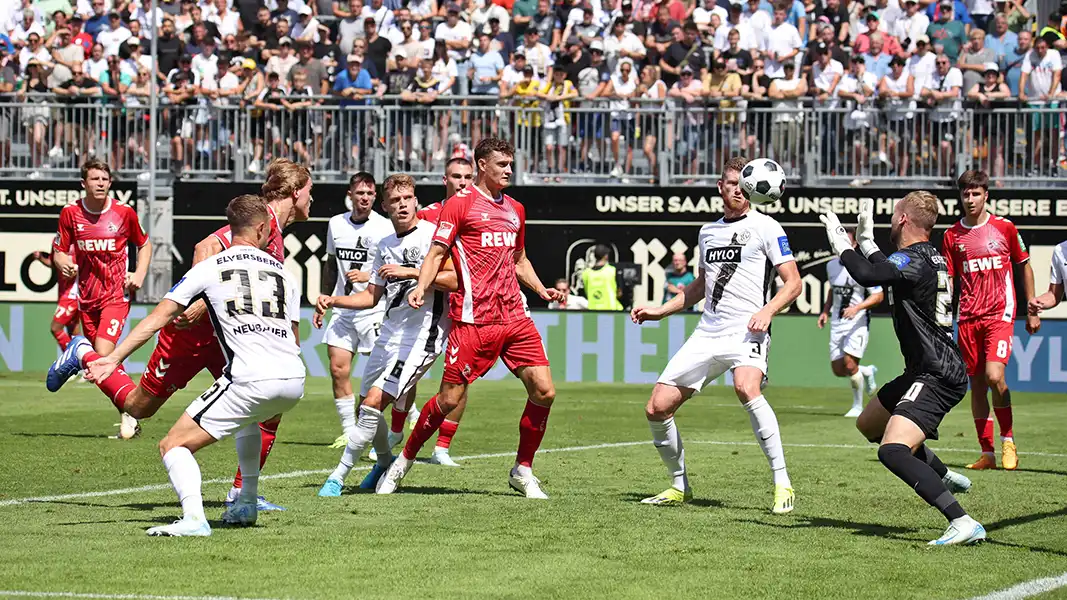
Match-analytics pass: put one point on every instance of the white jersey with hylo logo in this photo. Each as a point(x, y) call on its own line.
point(354, 246)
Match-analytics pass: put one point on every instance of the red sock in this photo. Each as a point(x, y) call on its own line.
point(985, 434)
point(531, 432)
point(268, 430)
point(62, 338)
point(448, 429)
point(430, 420)
point(117, 386)
point(1004, 420)
point(399, 418)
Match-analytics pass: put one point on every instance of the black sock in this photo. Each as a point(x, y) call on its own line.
point(1005, 398)
point(920, 477)
point(927, 455)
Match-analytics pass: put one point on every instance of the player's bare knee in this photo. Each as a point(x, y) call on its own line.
point(56, 327)
point(994, 378)
point(340, 371)
point(543, 393)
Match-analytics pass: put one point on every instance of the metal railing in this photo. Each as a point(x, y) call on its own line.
point(623, 143)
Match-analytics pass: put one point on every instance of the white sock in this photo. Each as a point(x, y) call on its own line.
point(346, 409)
point(668, 442)
point(382, 448)
point(865, 370)
point(1006, 439)
point(856, 381)
point(765, 426)
point(81, 350)
point(362, 433)
point(248, 442)
point(184, 476)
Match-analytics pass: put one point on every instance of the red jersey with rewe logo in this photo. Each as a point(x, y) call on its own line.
point(483, 235)
point(983, 258)
point(100, 244)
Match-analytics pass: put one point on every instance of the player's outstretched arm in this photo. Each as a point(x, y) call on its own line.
point(527, 276)
point(1049, 299)
point(1033, 321)
point(362, 300)
point(162, 314)
point(329, 276)
point(693, 293)
point(427, 273)
point(868, 272)
point(446, 280)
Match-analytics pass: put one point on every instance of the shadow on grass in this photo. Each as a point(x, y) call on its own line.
point(632, 497)
point(856, 528)
point(1024, 519)
point(1042, 471)
point(63, 435)
point(993, 542)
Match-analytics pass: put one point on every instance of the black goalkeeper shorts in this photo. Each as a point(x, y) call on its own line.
point(922, 399)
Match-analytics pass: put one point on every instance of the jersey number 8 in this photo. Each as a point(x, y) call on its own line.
point(245, 304)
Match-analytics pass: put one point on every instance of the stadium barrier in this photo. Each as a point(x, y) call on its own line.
point(629, 142)
point(602, 347)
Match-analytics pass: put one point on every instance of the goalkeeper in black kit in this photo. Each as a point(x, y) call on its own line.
point(911, 407)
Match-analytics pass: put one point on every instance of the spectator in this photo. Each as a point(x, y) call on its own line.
point(77, 92)
point(759, 20)
point(352, 85)
point(620, 44)
point(1000, 40)
point(485, 10)
point(502, 41)
point(315, 75)
point(98, 21)
point(113, 85)
point(877, 58)
point(826, 74)
point(981, 12)
point(486, 68)
point(824, 37)
point(25, 27)
point(661, 34)
point(1018, 16)
point(226, 21)
point(735, 21)
point(136, 61)
point(547, 28)
point(910, 27)
point(538, 56)
point(687, 94)
point(1052, 32)
point(737, 59)
point(783, 44)
point(425, 41)
point(112, 37)
point(556, 96)
point(33, 91)
point(306, 27)
point(181, 91)
point(195, 39)
point(990, 142)
point(948, 34)
point(653, 91)
point(350, 28)
point(297, 103)
point(1039, 85)
point(423, 9)
point(890, 44)
point(574, 60)
point(702, 16)
point(593, 83)
point(65, 55)
point(677, 278)
point(78, 36)
point(570, 301)
point(599, 282)
point(8, 79)
point(206, 64)
point(857, 90)
point(687, 51)
point(96, 64)
point(723, 86)
point(457, 36)
point(897, 90)
point(1012, 63)
point(974, 58)
point(267, 126)
point(837, 16)
point(422, 92)
point(378, 48)
point(512, 74)
point(959, 12)
point(59, 21)
point(528, 119)
point(34, 50)
point(383, 15)
point(228, 49)
point(283, 12)
point(942, 93)
point(284, 60)
point(587, 30)
point(922, 63)
point(169, 47)
point(785, 93)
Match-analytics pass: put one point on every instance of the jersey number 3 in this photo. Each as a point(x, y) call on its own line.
point(943, 302)
point(244, 304)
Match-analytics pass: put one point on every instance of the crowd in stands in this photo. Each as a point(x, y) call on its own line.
point(876, 62)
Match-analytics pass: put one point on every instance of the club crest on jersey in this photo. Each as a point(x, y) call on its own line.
point(744, 236)
point(412, 255)
point(995, 245)
point(514, 220)
point(113, 228)
point(81, 226)
point(960, 247)
point(485, 216)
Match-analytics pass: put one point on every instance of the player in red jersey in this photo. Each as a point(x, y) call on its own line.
point(99, 230)
point(65, 320)
point(484, 232)
point(981, 250)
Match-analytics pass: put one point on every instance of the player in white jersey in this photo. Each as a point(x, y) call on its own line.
point(351, 243)
point(254, 308)
point(1056, 280)
point(411, 339)
point(846, 309)
point(733, 334)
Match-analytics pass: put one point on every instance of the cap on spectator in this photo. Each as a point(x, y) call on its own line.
point(248, 63)
point(304, 10)
point(574, 41)
point(822, 48)
point(114, 15)
point(823, 19)
point(131, 41)
point(717, 64)
point(531, 31)
point(399, 52)
point(596, 46)
point(355, 58)
point(946, 4)
point(528, 70)
point(859, 58)
point(520, 51)
point(737, 3)
point(898, 60)
point(494, 19)
point(627, 5)
point(237, 61)
point(76, 17)
point(185, 58)
point(28, 12)
point(922, 39)
point(452, 7)
point(991, 67)
point(369, 20)
point(873, 15)
point(685, 69)
point(285, 41)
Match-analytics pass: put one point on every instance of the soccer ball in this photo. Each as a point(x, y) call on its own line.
point(763, 181)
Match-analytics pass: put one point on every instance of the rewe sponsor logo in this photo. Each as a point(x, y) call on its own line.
point(986, 263)
point(107, 245)
point(498, 239)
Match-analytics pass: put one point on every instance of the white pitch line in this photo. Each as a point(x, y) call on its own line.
point(28, 594)
point(1027, 589)
point(292, 474)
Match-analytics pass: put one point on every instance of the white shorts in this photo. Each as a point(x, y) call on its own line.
point(705, 356)
point(848, 340)
point(357, 335)
point(227, 407)
point(396, 369)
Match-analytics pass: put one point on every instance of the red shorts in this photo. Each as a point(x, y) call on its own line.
point(105, 323)
point(179, 355)
point(473, 349)
point(985, 341)
point(67, 313)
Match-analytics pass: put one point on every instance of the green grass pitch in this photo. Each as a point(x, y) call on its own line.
point(857, 532)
